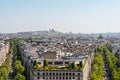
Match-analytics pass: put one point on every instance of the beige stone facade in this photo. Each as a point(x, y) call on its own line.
point(4, 49)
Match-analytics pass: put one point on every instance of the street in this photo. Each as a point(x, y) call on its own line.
point(105, 68)
point(10, 75)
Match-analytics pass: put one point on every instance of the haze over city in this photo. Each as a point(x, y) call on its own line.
point(84, 16)
point(59, 40)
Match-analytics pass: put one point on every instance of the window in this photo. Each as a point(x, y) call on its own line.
point(43, 77)
point(49, 62)
point(69, 73)
point(50, 77)
point(38, 73)
point(78, 73)
point(69, 77)
point(59, 73)
point(56, 77)
point(66, 77)
point(46, 73)
point(56, 73)
point(63, 73)
point(66, 62)
point(59, 77)
point(73, 74)
point(38, 77)
point(53, 78)
point(46, 77)
point(58, 62)
point(39, 62)
point(49, 73)
point(43, 73)
point(66, 73)
point(73, 78)
point(53, 73)
point(63, 77)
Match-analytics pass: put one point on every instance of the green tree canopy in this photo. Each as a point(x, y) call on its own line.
point(19, 77)
point(74, 66)
point(45, 63)
point(18, 69)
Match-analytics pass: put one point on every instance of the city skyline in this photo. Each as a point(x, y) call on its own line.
point(82, 16)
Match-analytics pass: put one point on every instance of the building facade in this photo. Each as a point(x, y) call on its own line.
point(4, 49)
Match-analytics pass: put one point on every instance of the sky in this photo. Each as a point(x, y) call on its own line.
point(83, 16)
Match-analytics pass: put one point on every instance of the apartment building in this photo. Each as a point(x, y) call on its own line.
point(59, 54)
point(4, 49)
point(61, 72)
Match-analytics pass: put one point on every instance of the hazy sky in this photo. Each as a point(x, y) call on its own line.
point(85, 16)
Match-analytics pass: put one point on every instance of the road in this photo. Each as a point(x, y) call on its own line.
point(10, 75)
point(105, 68)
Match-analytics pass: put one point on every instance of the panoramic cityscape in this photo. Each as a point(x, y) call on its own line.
point(59, 40)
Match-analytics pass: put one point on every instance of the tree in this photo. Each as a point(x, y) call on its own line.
point(74, 66)
point(93, 76)
point(112, 64)
point(45, 63)
point(3, 73)
point(19, 77)
point(97, 65)
point(18, 69)
point(81, 64)
point(17, 62)
point(115, 75)
point(35, 63)
point(1, 78)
